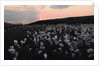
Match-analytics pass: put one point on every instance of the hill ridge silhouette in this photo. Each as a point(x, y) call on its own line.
point(69, 20)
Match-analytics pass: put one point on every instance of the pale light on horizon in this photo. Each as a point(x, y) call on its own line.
point(24, 14)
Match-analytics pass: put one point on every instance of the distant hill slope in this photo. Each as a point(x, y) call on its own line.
point(9, 25)
point(70, 20)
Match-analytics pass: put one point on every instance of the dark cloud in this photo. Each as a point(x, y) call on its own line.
point(59, 6)
point(18, 16)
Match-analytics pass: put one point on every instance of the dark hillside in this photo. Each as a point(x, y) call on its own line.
point(70, 20)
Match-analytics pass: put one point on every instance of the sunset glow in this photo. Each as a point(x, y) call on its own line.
point(31, 13)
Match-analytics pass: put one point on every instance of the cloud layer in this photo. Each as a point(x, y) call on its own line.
point(59, 6)
point(21, 14)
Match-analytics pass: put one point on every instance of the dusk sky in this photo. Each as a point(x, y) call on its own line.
point(25, 14)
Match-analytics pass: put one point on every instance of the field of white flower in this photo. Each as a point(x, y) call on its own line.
point(49, 42)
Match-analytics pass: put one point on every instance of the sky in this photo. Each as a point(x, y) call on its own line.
point(25, 14)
